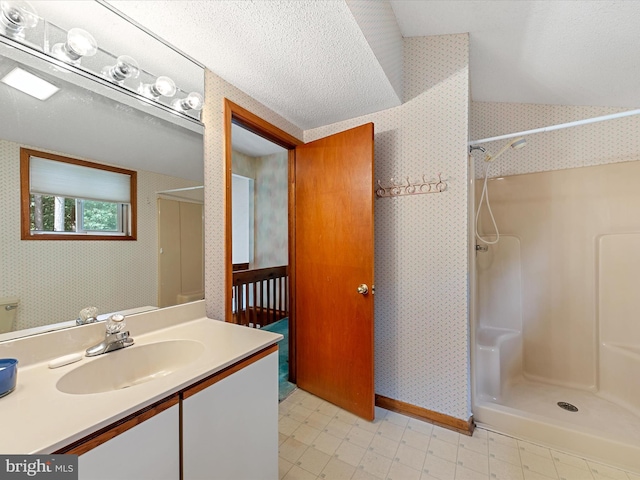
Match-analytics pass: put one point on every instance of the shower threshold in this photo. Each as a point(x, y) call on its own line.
point(599, 429)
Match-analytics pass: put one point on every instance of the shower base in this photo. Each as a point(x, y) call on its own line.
point(599, 429)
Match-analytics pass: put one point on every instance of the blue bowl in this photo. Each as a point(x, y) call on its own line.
point(8, 375)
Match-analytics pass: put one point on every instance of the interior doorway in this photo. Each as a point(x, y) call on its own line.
point(180, 246)
point(329, 292)
point(259, 240)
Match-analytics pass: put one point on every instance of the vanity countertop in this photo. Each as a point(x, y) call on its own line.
point(38, 418)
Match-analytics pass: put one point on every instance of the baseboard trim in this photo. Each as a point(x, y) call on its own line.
point(440, 419)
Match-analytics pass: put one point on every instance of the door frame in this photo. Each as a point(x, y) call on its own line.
point(234, 113)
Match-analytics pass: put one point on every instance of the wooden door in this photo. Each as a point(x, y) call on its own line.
point(333, 257)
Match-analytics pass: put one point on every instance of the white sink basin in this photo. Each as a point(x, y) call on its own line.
point(130, 366)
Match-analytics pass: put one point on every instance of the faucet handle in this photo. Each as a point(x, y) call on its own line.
point(116, 323)
point(87, 315)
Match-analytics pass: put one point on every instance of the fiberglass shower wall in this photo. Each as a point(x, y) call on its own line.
point(568, 206)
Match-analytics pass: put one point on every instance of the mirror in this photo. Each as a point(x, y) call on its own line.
point(89, 119)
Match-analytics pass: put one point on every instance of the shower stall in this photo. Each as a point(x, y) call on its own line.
point(556, 309)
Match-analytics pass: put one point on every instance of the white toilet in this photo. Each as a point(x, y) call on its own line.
point(8, 310)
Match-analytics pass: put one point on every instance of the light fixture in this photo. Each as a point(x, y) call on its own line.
point(15, 16)
point(125, 67)
point(79, 44)
point(162, 87)
point(29, 83)
point(193, 101)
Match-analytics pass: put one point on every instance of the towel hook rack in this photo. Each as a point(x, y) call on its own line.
point(424, 186)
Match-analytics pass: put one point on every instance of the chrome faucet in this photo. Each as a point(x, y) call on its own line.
point(115, 338)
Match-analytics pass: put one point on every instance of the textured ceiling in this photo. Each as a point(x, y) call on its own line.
point(316, 62)
point(306, 59)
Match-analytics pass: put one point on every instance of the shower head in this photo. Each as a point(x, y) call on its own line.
point(518, 143)
point(515, 144)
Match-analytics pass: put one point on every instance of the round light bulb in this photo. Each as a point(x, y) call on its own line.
point(81, 42)
point(15, 16)
point(125, 67)
point(193, 101)
point(164, 86)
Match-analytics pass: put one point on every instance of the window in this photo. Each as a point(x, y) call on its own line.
point(69, 199)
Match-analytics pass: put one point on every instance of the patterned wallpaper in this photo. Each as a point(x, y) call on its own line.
point(595, 144)
point(271, 211)
point(421, 260)
point(271, 203)
point(216, 90)
point(242, 164)
point(56, 279)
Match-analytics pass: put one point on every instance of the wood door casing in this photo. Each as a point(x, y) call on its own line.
point(234, 113)
point(333, 256)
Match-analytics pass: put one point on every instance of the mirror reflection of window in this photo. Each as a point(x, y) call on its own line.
point(69, 198)
point(50, 213)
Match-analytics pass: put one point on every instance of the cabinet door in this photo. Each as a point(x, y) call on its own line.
point(148, 451)
point(230, 429)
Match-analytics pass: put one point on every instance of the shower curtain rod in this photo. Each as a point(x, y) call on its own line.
point(560, 126)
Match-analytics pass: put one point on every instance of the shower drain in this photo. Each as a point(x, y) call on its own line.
point(568, 406)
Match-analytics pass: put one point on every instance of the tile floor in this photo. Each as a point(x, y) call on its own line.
point(319, 441)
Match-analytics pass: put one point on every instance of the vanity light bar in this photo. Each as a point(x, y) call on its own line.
point(80, 43)
point(29, 83)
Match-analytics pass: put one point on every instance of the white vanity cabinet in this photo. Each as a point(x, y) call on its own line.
point(148, 451)
point(230, 426)
point(223, 427)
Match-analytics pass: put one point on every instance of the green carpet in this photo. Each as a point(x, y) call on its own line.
point(284, 386)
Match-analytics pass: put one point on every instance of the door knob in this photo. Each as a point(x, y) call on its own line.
point(363, 289)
